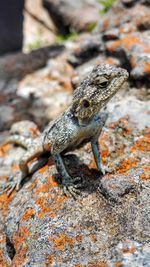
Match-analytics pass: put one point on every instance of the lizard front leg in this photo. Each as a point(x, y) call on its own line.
point(69, 186)
point(23, 164)
point(97, 156)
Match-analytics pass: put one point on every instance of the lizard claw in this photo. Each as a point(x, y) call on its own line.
point(12, 185)
point(71, 189)
point(102, 170)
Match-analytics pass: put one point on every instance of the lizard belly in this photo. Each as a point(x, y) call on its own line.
point(84, 135)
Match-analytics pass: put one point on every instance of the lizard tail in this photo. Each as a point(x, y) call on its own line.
point(18, 140)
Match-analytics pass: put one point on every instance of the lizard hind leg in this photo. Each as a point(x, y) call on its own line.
point(23, 164)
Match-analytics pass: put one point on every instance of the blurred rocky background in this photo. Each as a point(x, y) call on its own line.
point(109, 224)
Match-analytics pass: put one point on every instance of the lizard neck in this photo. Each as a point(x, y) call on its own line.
point(84, 122)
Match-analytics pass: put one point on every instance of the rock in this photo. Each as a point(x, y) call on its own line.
point(115, 186)
point(111, 34)
point(16, 65)
point(121, 17)
point(122, 33)
point(69, 15)
point(44, 227)
point(132, 50)
point(109, 223)
point(86, 50)
point(39, 97)
point(129, 3)
point(25, 128)
point(131, 253)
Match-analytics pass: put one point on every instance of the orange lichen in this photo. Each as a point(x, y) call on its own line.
point(20, 237)
point(49, 260)
point(28, 214)
point(110, 61)
point(15, 167)
point(98, 264)
point(118, 264)
point(46, 208)
point(4, 178)
point(129, 250)
point(77, 50)
point(128, 42)
point(62, 241)
point(20, 257)
point(1, 153)
point(19, 240)
point(122, 123)
point(51, 181)
point(145, 176)
point(105, 154)
point(4, 149)
point(94, 238)
point(52, 215)
point(41, 215)
point(106, 24)
point(142, 144)
point(34, 131)
point(43, 169)
point(127, 164)
point(146, 67)
point(79, 238)
point(104, 137)
point(5, 202)
point(66, 84)
point(45, 187)
point(78, 265)
point(41, 200)
point(3, 262)
point(146, 168)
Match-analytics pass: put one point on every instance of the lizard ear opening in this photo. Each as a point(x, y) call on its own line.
point(103, 84)
point(85, 103)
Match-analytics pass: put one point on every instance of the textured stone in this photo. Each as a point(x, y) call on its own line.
point(73, 15)
point(109, 223)
point(131, 253)
point(123, 34)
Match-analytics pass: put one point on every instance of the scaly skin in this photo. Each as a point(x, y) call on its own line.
point(80, 124)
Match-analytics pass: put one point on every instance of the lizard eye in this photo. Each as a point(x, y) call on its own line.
point(85, 103)
point(103, 84)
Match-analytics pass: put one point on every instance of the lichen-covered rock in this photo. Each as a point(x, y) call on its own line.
point(46, 228)
point(122, 33)
point(109, 223)
point(16, 66)
point(131, 253)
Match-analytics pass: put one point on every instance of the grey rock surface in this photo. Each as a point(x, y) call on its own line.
point(109, 223)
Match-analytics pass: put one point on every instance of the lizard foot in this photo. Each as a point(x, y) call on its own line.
point(10, 186)
point(102, 170)
point(70, 188)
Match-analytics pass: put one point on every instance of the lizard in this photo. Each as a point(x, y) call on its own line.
point(81, 123)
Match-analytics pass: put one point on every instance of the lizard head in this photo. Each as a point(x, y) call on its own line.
point(95, 91)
